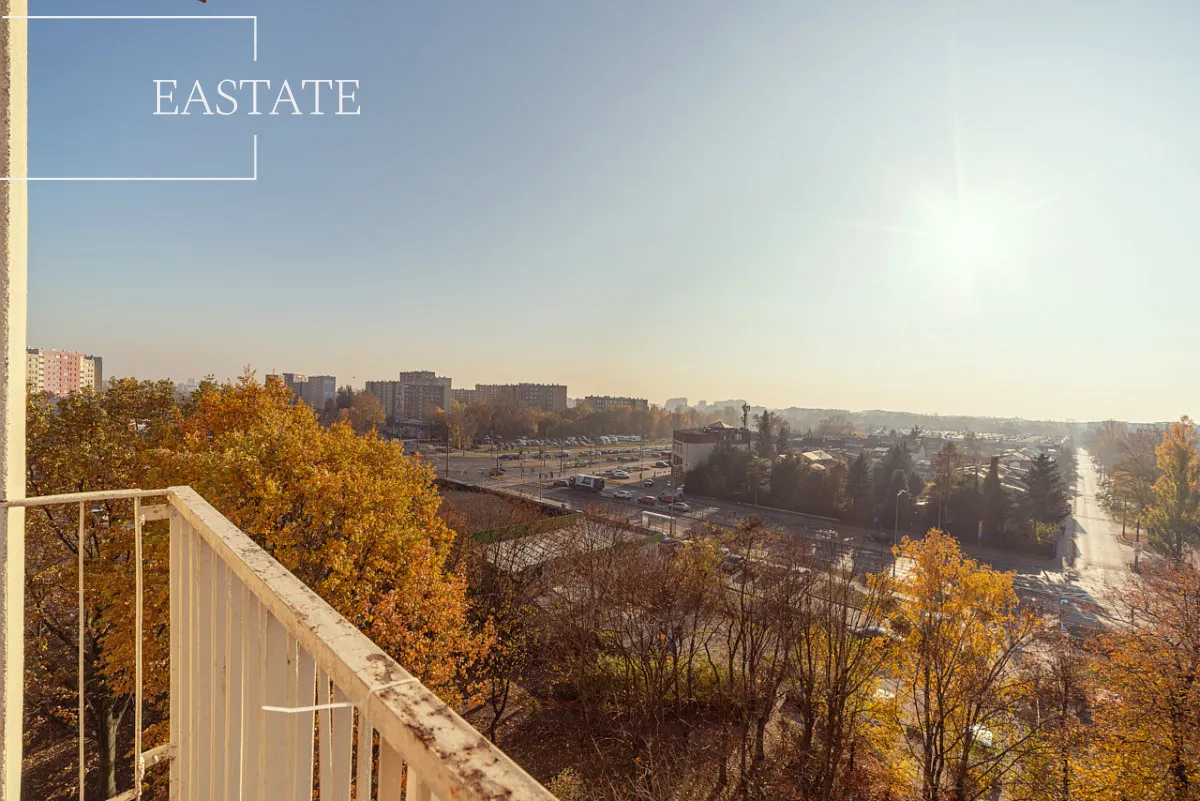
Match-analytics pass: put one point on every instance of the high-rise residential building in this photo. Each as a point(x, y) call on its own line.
point(319, 390)
point(61, 372)
point(677, 404)
point(496, 393)
point(413, 396)
point(465, 396)
point(604, 403)
point(388, 394)
point(547, 397)
point(422, 391)
point(314, 390)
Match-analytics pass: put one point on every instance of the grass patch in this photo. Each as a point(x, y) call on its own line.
point(541, 526)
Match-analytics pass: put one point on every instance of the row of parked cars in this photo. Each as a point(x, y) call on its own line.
point(561, 442)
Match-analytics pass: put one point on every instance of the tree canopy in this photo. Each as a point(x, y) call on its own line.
point(351, 516)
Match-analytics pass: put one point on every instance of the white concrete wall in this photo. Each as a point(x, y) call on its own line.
point(14, 223)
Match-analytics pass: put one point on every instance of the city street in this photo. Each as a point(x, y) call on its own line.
point(1094, 562)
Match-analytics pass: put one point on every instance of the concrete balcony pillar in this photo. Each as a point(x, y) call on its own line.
point(14, 223)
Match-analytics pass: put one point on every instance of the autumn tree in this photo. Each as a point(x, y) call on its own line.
point(1054, 766)
point(1175, 511)
point(1106, 443)
point(1130, 487)
point(365, 414)
point(503, 567)
point(947, 468)
point(1148, 713)
point(460, 428)
point(86, 442)
point(752, 656)
point(351, 516)
point(958, 694)
point(836, 663)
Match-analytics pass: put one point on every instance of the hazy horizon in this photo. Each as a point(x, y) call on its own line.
point(979, 209)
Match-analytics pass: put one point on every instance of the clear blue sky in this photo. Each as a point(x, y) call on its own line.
point(975, 207)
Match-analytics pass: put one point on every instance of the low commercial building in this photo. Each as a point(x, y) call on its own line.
point(691, 447)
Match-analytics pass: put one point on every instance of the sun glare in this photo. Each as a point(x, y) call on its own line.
point(970, 241)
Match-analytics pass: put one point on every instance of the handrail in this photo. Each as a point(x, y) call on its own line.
point(454, 759)
point(449, 758)
point(83, 497)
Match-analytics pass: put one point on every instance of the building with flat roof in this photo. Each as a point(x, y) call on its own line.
point(388, 394)
point(604, 403)
point(413, 396)
point(547, 397)
point(61, 372)
point(691, 447)
point(313, 390)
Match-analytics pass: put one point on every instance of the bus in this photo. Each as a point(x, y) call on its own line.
point(590, 483)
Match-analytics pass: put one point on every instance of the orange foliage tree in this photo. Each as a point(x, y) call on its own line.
point(958, 694)
point(351, 516)
point(1147, 714)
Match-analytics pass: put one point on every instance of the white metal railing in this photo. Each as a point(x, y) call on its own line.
point(259, 665)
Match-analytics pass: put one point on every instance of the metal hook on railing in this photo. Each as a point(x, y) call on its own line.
point(295, 710)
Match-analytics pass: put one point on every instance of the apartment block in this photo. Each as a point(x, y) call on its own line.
point(547, 397)
point(604, 403)
point(61, 372)
point(314, 390)
point(413, 396)
point(388, 393)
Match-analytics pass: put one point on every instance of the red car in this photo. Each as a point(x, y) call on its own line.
point(648, 500)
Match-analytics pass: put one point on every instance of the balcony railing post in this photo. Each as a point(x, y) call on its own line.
point(137, 650)
point(259, 665)
point(80, 546)
point(177, 639)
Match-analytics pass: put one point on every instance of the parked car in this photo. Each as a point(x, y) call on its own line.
point(619, 474)
point(680, 506)
point(561, 482)
point(648, 482)
point(648, 500)
point(624, 495)
point(661, 463)
point(869, 631)
point(732, 561)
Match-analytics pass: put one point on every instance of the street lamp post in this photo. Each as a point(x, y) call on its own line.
point(896, 530)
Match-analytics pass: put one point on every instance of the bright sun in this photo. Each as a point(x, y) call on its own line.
point(970, 241)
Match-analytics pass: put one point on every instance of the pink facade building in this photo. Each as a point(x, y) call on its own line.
point(61, 372)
